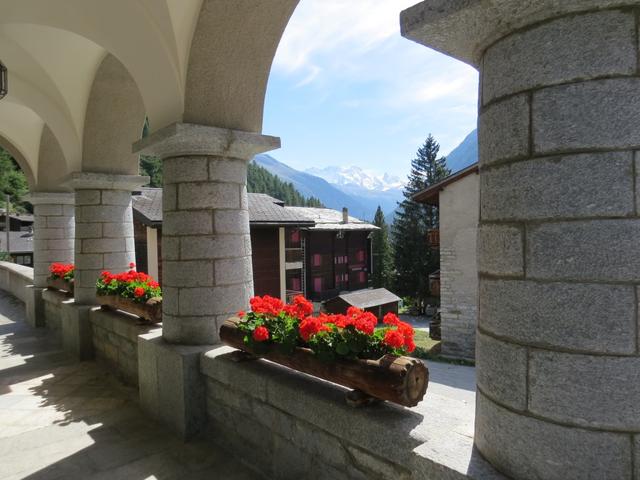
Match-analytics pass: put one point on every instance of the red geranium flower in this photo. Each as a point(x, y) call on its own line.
point(394, 339)
point(310, 326)
point(299, 308)
point(138, 292)
point(268, 305)
point(260, 334)
point(132, 265)
point(241, 313)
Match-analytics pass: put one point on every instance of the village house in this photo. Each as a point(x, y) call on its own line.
point(457, 198)
point(316, 252)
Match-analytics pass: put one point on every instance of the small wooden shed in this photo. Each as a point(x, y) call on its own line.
point(378, 301)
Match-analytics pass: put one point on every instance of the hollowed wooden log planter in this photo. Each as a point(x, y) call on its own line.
point(151, 311)
point(401, 380)
point(60, 284)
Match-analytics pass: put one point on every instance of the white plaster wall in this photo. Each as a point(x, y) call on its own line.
point(459, 215)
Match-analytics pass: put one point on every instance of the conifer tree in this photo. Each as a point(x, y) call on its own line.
point(382, 258)
point(413, 260)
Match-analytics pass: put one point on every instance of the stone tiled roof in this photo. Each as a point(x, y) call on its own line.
point(147, 206)
point(328, 219)
point(263, 210)
point(369, 297)
point(266, 210)
point(20, 242)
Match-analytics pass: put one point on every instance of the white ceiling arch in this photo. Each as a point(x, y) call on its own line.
point(20, 133)
point(150, 37)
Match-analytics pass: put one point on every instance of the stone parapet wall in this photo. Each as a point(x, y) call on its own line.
point(288, 425)
point(115, 341)
point(14, 279)
point(52, 311)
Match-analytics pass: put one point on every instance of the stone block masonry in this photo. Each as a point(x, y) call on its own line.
point(104, 228)
point(206, 255)
point(557, 353)
point(115, 341)
point(53, 232)
point(206, 252)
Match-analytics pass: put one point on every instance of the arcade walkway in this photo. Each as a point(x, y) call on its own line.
point(60, 419)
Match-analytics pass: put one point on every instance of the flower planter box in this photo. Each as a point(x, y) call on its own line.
point(401, 380)
point(60, 284)
point(151, 311)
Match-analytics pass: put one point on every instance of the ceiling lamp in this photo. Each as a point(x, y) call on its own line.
point(4, 81)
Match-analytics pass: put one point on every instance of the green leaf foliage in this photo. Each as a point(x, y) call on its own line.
point(382, 276)
point(13, 182)
point(413, 260)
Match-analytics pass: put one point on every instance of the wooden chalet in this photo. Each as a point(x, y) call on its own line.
point(317, 252)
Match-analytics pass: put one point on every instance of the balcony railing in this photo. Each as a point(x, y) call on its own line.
point(433, 238)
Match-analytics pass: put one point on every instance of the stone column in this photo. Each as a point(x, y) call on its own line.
point(206, 262)
point(104, 228)
point(206, 247)
point(558, 359)
point(53, 232)
point(53, 237)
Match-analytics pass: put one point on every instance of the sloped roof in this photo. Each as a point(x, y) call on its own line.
point(369, 297)
point(266, 210)
point(23, 217)
point(431, 195)
point(147, 206)
point(328, 219)
point(263, 210)
point(20, 242)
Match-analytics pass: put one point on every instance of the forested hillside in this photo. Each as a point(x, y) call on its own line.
point(12, 182)
point(259, 180)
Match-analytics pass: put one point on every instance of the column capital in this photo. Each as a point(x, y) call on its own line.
point(105, 181)
point(463, 29)
point(51, 198)
point(187, 139)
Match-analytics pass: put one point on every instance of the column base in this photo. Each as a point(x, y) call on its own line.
point(77, 338)
point(34, 305)
point(172, 389)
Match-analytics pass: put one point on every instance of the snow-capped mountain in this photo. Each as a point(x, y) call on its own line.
point(356, 176)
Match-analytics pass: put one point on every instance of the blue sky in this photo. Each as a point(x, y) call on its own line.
point(347, 89)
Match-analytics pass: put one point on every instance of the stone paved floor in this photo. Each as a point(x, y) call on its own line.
point(61, 419)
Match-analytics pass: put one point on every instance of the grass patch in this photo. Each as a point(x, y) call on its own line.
point(429, 349)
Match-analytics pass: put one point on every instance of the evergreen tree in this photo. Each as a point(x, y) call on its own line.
point(382, 256)
point(12, 182)
point(413, 260)
point(151, 167)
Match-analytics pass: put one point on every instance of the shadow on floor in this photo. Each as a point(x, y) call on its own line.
point(63, 419)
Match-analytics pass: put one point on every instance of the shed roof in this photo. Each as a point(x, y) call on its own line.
point(369, 297)
point(431, 195)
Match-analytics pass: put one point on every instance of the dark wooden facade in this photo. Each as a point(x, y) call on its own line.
point(265, 261)
point(319, 264)
point(336, 262)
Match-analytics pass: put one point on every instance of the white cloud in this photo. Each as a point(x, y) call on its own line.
point(346, 27)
